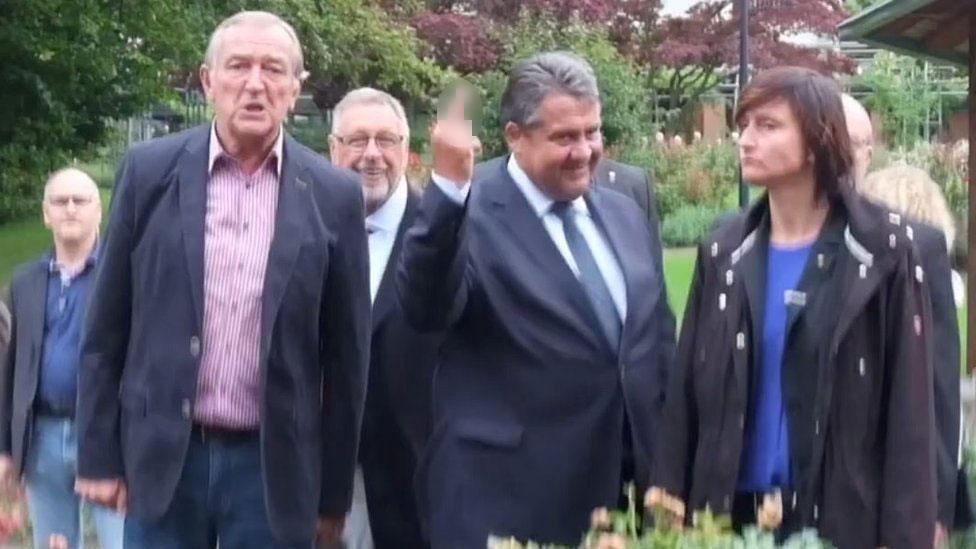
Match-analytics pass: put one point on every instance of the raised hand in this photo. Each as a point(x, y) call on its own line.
point(453, 143)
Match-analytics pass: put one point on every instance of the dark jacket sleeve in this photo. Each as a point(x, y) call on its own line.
point(346, 331)
point(105, 340)
point(908, 492)
point(945, 362)
point(8, 351)
point(665, 343)
point(679, 425)
point(432, 278)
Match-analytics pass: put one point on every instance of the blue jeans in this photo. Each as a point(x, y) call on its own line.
point(49, 473)
point(219, 499)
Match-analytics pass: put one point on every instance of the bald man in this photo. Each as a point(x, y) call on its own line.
point(48, 299)
point(861, 133)
point(931, 245)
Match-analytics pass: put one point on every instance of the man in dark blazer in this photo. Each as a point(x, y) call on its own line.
point(558, 334)
point(631, 181)
point(224, 366)
point(38, 386)
point(370, 135)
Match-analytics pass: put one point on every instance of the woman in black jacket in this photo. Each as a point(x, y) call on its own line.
point(802, 365)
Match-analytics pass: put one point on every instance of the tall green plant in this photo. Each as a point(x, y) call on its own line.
point(904, 93)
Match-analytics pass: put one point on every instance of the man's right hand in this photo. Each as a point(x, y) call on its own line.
point(109, 493)
point(452, 143)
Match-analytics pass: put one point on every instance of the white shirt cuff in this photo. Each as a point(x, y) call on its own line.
point(448, 187)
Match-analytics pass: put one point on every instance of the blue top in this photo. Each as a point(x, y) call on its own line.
point(766, 456)
point(67, 300)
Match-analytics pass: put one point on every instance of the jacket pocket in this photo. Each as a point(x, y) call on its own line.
point(489, 433)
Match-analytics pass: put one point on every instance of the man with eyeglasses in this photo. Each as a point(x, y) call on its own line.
point(48, 300)
point(370, 136)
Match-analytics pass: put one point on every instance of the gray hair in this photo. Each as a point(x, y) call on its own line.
point(533, 79)
point(369, 96)
point(261, 19)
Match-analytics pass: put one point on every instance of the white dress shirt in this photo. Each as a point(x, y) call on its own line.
point(382, 226)
point(541, 204)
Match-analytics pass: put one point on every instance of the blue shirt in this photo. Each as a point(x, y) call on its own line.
point(67, 300)
point(766, 458)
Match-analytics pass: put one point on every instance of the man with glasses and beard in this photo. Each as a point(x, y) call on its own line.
point(370, 135)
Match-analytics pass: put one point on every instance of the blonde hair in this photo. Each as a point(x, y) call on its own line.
point(910, 191)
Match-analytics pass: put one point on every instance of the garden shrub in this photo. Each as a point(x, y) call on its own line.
point(688, 225)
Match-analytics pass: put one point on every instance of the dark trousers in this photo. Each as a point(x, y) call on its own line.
point(219, 499)
point(389, 466)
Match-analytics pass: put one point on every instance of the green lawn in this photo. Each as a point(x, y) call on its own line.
point(679, 266)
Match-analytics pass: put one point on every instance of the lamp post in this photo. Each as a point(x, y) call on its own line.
point(743, 80)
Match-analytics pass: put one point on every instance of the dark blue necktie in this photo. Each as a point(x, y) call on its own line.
point(590, 276)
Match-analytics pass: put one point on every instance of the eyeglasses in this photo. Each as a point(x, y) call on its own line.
point(78, 200)
point(359, 142)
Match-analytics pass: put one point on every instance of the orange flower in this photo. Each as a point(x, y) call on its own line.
point(600, 519)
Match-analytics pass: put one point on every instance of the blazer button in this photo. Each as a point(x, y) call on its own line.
point(727, 503)
point(195, 346)
point(816, 428)
point(861, 367)
point(742, 421)
point(187, 408)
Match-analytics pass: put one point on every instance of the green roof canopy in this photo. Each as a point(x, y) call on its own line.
point(935, 29)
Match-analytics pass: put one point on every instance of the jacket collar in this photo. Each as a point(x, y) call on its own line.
point(869, 234)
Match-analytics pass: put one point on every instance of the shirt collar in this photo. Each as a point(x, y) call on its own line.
point(540, 203)
point(217, 150)
point(387, 217)
point(54, 267)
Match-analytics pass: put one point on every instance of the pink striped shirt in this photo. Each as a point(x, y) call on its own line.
point(239, 224)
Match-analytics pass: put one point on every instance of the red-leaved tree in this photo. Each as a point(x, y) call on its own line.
point(702, 45)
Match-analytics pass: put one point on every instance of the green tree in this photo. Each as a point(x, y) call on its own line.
point(69, 67)
point(72, 67)
point(904, 93)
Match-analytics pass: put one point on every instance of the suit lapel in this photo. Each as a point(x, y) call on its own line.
point(622, 246)
point(290, 222)
point(753, 269)
point(816, 272)
point(527, 231)
point(37, 288)
point(192, 177)
point(386, 296)
point(863, 270)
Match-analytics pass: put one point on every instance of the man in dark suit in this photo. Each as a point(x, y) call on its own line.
point(629, 180)
point(559, 337)
point(224, 366)
point(38, 387)
point(370, 135)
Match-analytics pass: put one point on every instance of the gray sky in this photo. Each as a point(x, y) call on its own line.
point(675, 7)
